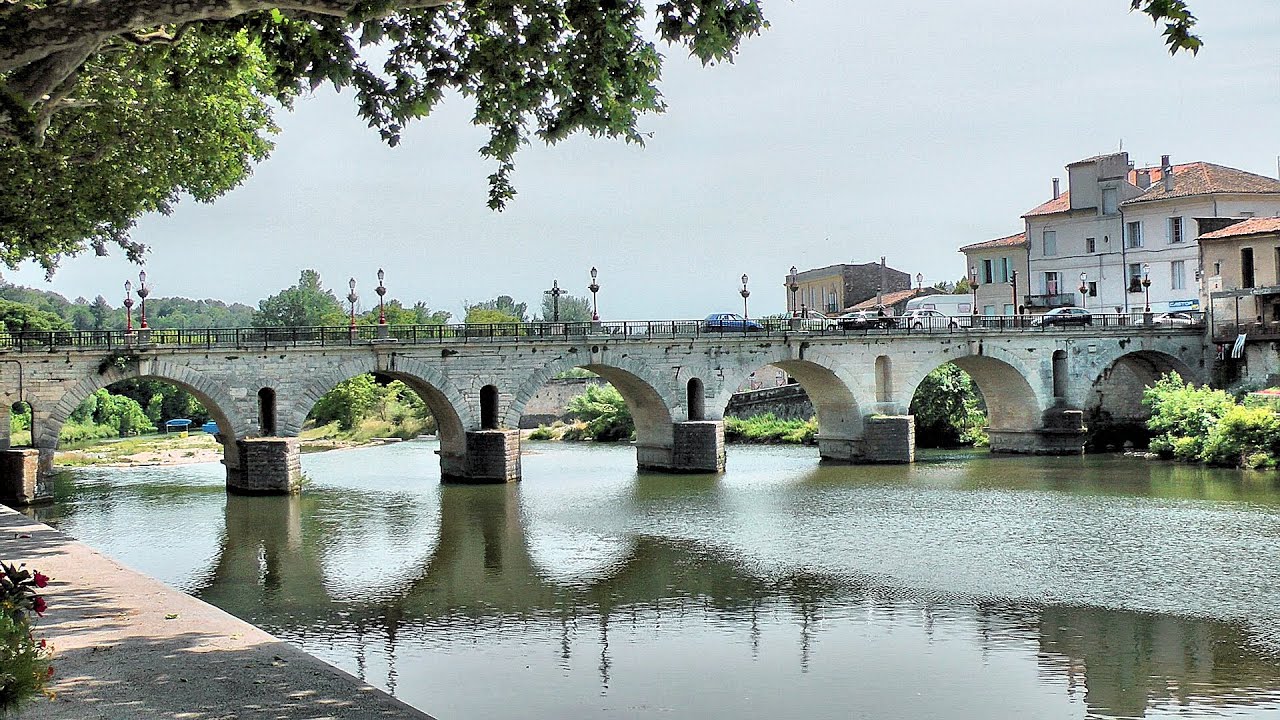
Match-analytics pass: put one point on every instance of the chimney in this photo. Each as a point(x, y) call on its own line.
point(1056, 191)
point(1166, 173)
point(1143, 178)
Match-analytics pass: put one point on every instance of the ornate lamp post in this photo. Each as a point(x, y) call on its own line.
point(1013, 282)
point(352, 297)
point(792, 285)
point(381, 290)
point(919, 283)
point(745, 293)
point(1146, 286)
point(1084, 289)
point(555, 292)
point(973, 286)
point(128, 306)
point(143, 292)
point(594, 287)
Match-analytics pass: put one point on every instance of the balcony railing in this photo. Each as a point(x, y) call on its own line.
point(1051, 300)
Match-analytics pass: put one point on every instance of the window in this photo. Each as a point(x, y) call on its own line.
point(987, 275)
point(1178, 275)
point(1110, 204)
point(1093, 288)
point(1091, 245)
point(1006, 269)
point(1051, 283)
point(1135, 277)
point(1050, 242)
point(1246, 267)
point(989, 310)
point(965, 308)
point(1175, 229)
point(1008, 308)
point(1133, 234)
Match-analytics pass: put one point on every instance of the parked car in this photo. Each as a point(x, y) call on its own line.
point(864, 319)
point(922, 318)
point(1064, 316)
point(729, 322)
point(1176, 319)
point(814, 320)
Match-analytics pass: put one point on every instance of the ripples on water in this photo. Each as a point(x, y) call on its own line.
point(964, 586)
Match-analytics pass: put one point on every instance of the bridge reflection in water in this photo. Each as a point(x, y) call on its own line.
point(466, 569)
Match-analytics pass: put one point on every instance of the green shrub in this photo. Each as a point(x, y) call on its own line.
point(1182, 411)
point(605, 413)
point(1187, 449)
point(1241, 434)
point(542, 433)
point(1161, 446)
point(767, 428)
point(948, 409)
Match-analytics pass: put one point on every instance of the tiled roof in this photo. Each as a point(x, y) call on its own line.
point(1010, 241)
point(1062, 203)
point(890, 298)
point(1252, 226)
point(1202, 178)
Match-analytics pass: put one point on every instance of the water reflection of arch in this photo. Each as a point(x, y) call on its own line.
point(649, 397)
point(1013, 402)
point(47, 424)
point(832, 388)
point(453, 415)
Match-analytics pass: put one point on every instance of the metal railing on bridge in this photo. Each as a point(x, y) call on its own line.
point(249, 338)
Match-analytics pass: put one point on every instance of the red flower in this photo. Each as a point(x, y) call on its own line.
point(39, 605)
point(41, 579)
point(49, 674)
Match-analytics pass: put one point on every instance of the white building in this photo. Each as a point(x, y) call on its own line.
point(1117, 226)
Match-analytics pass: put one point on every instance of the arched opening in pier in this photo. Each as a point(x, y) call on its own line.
point(696, 399)
point(267, 411)
point(1114, 413)
point(489, 407)
point(20, 421)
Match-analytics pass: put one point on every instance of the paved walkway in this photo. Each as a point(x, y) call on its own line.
point(130, 647)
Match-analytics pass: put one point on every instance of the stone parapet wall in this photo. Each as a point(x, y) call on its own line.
point(551, 402)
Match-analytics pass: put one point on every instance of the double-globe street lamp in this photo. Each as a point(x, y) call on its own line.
point(128, 306)
point(143, 292)
point(594, 287)
point(973, 287)
point(1084, 290)
point(1146, 286)
point(352, 297)
point(745, 293)
point(381, 290)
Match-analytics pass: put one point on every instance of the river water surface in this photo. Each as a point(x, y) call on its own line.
point(964, 586)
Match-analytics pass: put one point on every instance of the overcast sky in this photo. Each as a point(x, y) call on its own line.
point(847, 131)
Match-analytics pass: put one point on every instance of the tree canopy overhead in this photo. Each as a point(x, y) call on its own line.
point(110, 109)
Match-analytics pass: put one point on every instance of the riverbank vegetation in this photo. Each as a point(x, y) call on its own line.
point(768, 429)
point(949, 410)
point(1200, 424)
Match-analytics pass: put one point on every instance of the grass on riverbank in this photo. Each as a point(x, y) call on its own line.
point(761, 429)
point(327, 437)
point(161, 449)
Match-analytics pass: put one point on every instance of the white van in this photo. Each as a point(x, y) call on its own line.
point(959, 307)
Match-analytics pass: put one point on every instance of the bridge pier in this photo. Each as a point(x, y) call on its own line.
point(492, 456)
point(268, 466)
point(697, 447)
point(1062, 433)
point(886, 440)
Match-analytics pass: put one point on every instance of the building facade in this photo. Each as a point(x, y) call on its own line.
point(1128, 236)
point(999, 268)
point(1243, 289)
point(835, 288)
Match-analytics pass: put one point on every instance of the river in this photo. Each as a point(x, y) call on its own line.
point(964, 586)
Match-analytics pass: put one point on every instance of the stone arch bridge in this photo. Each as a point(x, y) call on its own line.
point(259, 385)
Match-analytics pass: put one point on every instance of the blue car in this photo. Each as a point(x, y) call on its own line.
point(729, 322)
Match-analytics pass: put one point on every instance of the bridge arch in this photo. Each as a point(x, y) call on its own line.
point(1015, 396)
point(47, 425)
point(448, 406)
point(650, 400)
point(839, 399)
point(1114, 403)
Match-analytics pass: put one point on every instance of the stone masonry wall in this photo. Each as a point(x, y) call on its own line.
point(788, 402)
